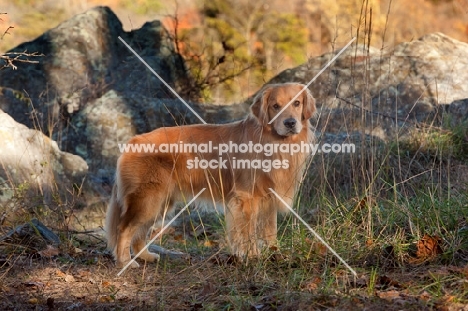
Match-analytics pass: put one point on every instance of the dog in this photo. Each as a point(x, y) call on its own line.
point(148, 184)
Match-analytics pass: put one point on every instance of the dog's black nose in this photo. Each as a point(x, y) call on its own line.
point(290, 123)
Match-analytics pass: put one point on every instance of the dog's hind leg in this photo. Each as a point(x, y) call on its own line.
point(143, 208)
point(139, 243)
point(139, 240)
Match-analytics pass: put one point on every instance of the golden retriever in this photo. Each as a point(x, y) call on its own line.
point(148, 184)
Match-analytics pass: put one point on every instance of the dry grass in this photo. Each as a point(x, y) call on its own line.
point(300, 274)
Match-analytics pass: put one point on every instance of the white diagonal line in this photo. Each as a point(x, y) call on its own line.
point(160, 232)
point(315, 233)
point(313, 79)
point(159, 77)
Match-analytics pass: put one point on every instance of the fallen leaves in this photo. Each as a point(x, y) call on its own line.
point(389, 295)
point(49, 252)
point(33, 301)
point(66, 277)
point(428, 248)
point(34, 285)
point(180, 238)
point(387, 282)
point(209, 243)
point(69, 278)
point(316, 248)
point(313, 284)
point(361, 204)
point(106, 298)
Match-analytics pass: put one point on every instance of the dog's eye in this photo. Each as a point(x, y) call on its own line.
point(297, 103)
point(276, 106)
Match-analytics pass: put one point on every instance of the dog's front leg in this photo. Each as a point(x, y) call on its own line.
point(267, 224)
point(241, 225)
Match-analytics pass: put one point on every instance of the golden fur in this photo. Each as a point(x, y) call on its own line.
point(148, 184)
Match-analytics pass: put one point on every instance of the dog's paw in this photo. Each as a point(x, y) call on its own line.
point(121, 264)
point(149, 257)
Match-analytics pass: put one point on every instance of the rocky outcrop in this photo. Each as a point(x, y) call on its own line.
point(383, 92)
point(458, 112)
point(32, 165)
point(89, 92)
point(83, 58)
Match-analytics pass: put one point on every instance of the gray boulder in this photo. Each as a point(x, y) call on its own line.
point(384, 92)
point(32, 165)
point(83, 58)
point(458, 112)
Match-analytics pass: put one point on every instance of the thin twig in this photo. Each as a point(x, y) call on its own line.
point(12, 57)
point(6, 31)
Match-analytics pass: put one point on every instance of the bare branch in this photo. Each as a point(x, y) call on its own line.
point(8, 59)
point(11, 57)
point(6, 32)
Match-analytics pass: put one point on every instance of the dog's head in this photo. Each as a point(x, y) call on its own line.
point(273, 98)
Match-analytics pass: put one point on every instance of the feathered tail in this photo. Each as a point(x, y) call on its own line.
point(114, 211)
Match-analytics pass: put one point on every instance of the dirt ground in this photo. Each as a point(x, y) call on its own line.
point(82, 276)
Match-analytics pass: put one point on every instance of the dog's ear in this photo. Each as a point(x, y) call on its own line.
point(259, 107)
point(308, 108)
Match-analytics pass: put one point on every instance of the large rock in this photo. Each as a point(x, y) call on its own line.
point(382, 92)
point(83, 59)
point(89, 92)
point(458, 112)
point(32, 165)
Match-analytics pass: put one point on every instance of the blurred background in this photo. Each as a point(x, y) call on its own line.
point(233, 47)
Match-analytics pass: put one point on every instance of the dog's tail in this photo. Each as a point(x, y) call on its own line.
point(113, 215)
